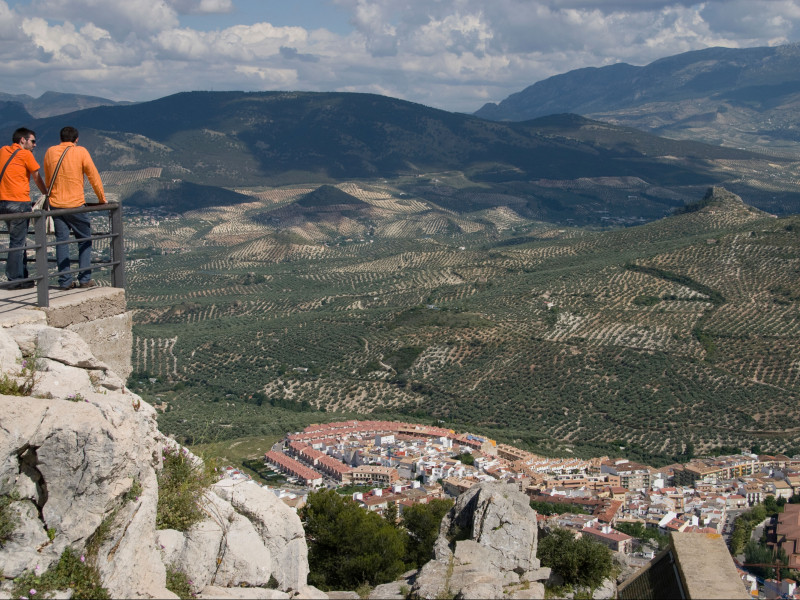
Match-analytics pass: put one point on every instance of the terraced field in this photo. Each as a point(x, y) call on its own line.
point(682, 331)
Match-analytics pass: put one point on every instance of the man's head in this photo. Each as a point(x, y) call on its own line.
point(24, 137)
point(69, 134)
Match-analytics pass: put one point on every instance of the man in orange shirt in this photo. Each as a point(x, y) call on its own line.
point(15, 197)
point(67, 192)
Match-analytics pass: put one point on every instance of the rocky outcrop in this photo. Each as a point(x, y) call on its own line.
point(486, 548)
point(71, 456)
point(278, 527)
point(79, 460)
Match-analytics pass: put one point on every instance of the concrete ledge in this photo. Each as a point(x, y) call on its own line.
point(706, 567)
point(21, 315)
point(111, 340)
point(81, 306)
point(99, 315)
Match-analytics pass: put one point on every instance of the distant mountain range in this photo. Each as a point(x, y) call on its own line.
point(551, 167)
point(737, 97)
point(559, 167)
point(48, 104)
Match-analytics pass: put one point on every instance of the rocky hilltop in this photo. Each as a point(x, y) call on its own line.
point(79, 458)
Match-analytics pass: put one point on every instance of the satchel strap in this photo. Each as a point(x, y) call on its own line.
point(53, 178)
point(5, 166)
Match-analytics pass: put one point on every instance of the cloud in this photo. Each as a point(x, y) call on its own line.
point(293, 54)
point(202, 7)
point(120, 18)
point(453, 54)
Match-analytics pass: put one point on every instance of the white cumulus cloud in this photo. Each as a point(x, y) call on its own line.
point(453, 54)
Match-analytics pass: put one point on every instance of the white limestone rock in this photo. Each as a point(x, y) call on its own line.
point(497, 516)
point(28, 543)
point(57, 380)
point(225, 593)
point(309, 592)
point(76, 460)
point(10, 355)
point(278, 525)
point(224, 550)
point(66, 347)
point(106, 379)
point(606, 590)
point(245, 561)
point(433, 580)
point(487, 543)
point(73, 464)
point(25, 337)
point(133, 543)
point(531, 591)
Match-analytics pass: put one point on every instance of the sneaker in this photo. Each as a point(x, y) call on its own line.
point(88, 284)
point(25, 285)
point(66, 287)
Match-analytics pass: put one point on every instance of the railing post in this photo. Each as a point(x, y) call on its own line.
point(43, 281)
point(117, 248)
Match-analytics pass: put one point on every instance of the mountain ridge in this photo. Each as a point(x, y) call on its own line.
point(52, 103)
point(556, 164)
point(744, 93)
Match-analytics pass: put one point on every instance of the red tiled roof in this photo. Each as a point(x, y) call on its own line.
point(297, 468)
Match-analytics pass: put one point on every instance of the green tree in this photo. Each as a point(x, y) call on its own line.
point(390, 514)
point(467, 458)
point(758, 554)
point(639, 531)
point(422, 522)
point(348, 546)
point(555, 508)
point(578, 561)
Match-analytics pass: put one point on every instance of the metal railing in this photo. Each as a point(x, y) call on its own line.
point(41, 272)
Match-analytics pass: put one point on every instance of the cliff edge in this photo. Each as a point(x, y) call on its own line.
point(79, 462)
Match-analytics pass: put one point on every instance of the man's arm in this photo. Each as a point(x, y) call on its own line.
point(93, 175)
point(37, 179)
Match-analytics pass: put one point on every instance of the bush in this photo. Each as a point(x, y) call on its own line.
point(579, 562)
point(181, 485)
point(422, 522)
point(8, 519)
point(178, 583)
point(71, 572)
point(556, 508)
point(348, 546)
point(23, 384)
point(646, 300)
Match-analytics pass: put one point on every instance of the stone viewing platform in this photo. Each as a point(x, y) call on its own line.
point(99, 315)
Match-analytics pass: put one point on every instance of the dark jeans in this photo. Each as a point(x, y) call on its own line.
point(81, 227)
point(16, 261)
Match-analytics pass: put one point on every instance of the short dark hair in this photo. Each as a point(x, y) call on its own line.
point(19, 134)
point(69, 134)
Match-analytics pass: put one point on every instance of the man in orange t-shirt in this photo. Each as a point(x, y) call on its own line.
point(67, 192)
point(15, 197)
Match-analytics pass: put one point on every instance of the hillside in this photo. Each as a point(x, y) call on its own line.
point(735, 97)
point(679, 331)
point(556, 168)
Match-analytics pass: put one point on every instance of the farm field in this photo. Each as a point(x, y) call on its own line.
point(259, 318)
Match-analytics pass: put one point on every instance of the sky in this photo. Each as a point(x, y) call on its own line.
point(449, 54)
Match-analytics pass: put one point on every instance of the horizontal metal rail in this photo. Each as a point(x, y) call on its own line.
point(42, 274)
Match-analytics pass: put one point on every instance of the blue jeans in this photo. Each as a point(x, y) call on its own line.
point(81, 227)
point(16, 261)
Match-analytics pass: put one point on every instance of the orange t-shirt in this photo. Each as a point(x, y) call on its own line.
point(16, 183)
point(67, 191)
